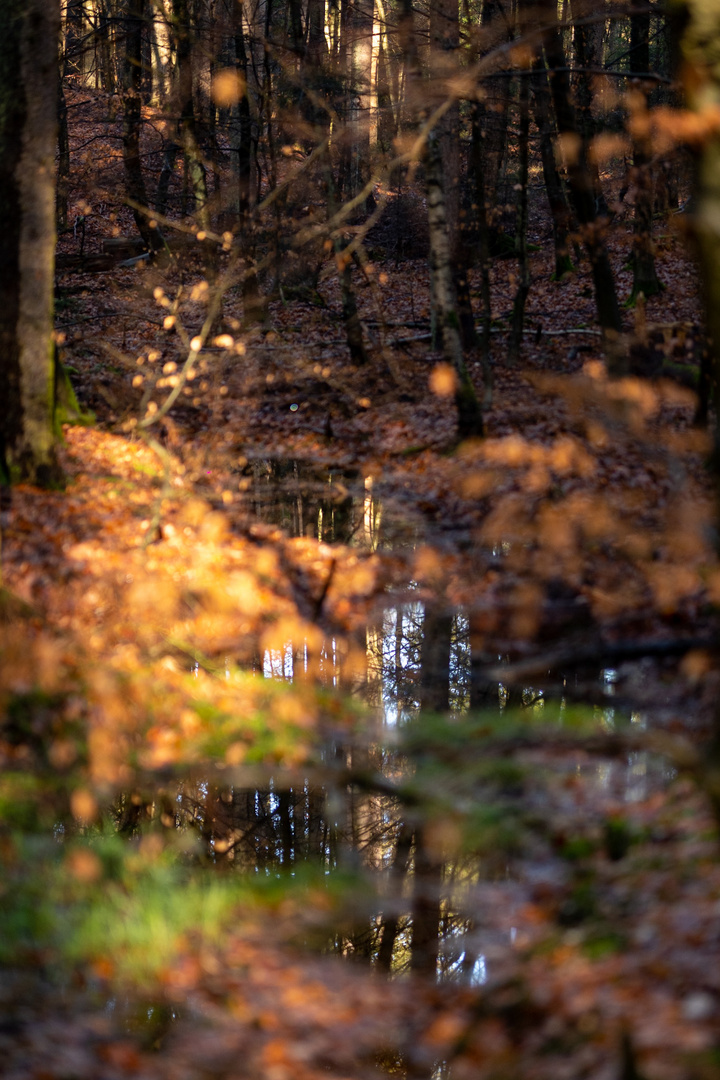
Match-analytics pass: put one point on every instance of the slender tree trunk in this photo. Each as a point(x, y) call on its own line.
point(29, 34)
point(645, 279)
point(63, 167)
point(435, 659)
point(253, 306)
point(470, 420)
point(167, 172)
point(495, 24)
point(588, 53)
point(73, 37)
point(107, 66)
point(426, 912)
point(351, 318)
point(444, 45)
point(477, 168)
point(411, 66)
point(343, 260)
point(559, 208)
point(398, 874)
point(132, 123)
point(518, 315)
point(582, 194)
point(435, 652)
point(187, 127)
point(484, 694)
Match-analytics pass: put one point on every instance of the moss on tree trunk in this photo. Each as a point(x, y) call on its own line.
point(29, 32)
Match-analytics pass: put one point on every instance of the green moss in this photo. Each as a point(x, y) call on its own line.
point(601, 943)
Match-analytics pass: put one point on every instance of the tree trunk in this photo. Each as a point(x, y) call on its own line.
point(582, 194)
point(351, 318)
point(107, 66)
point(518, 315)
point(588, 53)
point(29, 34)
point(645, 279)
point(700, 29)
point(477, 169)
point(435, 659)
point(426, 911)
point(132, 121)
point(495, 24)
point(63, 167)
point(398, 874)
point(559, 208)
point(186, 125)
point(242, 144)
point(470, 419)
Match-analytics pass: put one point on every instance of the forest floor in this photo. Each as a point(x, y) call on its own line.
point(583, 525)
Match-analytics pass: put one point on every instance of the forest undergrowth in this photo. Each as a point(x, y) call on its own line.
point(143, 604)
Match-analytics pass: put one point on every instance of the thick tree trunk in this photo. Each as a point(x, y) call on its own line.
point(29, 33)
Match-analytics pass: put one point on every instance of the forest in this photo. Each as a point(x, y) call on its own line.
point(359, 537)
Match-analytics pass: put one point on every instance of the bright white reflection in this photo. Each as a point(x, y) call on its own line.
point(637, 777)
point(478, 975)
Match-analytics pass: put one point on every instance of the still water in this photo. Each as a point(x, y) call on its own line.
point(442, 810)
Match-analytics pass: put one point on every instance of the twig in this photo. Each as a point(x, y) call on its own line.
point(602, 651)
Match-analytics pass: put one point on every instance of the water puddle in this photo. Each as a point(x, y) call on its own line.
point(448, 859)
point(443, 803)
point(332, 505)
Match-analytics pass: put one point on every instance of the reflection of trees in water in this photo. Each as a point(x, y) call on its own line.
point(419, 662)
point(306, 499)
point(331, 504)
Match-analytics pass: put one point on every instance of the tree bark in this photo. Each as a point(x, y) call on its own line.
point(470, 419)
point(582, 194)
point(435, 659)
point(29, 34)
point(521, 295)
point(477, 169)
point(63, 167)
point(186, 124)
point(588, 53)
point(697, 29)
point(426, 912)
point(496, 28)
point(132, 121)
point(558, 203)
point(645, 279)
